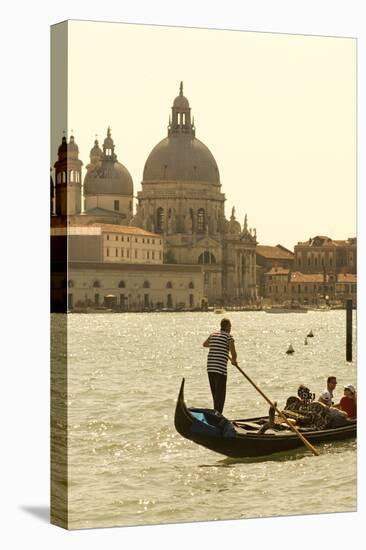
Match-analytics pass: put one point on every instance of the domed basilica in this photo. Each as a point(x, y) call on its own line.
point(181, 198)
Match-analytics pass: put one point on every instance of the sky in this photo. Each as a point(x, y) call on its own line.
point(277, 111)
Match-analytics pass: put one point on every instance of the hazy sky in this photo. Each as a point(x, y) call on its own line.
point(277, 111)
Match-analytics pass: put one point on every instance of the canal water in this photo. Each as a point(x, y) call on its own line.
point(128, 465)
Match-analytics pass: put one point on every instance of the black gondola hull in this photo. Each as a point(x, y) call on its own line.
point(219, 434)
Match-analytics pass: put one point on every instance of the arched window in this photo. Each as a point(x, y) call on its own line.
point(70, 283)
point(169, 285)
point(96, 284)
point(146, 284)
point(201, 222)
point(121, 284)
point(160, 219)
point(206, 258)
point(191, 285)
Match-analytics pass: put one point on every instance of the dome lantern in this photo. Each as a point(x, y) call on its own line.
point(96, 153)
point(108, 147)
point(181, 116)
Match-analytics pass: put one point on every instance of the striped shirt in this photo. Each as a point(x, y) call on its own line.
point(219, 352)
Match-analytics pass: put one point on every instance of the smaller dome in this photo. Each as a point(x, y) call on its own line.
point(108, 177)
point(234, 227)
point(72, 148)
point(68, 150)
point(181, 102)
point(72, 144)
point(63, 147)
point(108, 142)
point(96, 152)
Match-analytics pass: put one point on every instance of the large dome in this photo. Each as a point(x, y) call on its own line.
point(181, 157)
point(108, 178)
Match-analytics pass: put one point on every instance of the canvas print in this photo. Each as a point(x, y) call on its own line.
point(203, 275)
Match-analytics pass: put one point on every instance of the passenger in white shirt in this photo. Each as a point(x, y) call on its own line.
point(326, 396)
point(339, 418)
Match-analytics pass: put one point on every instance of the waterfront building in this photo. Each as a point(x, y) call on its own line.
point(283, 285)
point(125, 244)
point(321, 253)
point(108, 243)
point(277, 285)
point(268, 257)
point(346, 287)
point(127, 287)
point(181, 200)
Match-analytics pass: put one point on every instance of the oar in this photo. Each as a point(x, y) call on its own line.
point(274, 406)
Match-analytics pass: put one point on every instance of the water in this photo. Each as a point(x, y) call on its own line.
point(128, 465)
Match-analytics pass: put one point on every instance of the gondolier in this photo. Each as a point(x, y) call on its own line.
point(220, 343)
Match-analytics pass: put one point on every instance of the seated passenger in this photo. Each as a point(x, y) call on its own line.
point(326, 396)
point(338, 416)
point(348, 403)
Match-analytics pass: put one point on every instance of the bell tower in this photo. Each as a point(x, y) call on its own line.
point(68, 179)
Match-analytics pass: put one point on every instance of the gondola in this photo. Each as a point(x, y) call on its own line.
point(242, 438)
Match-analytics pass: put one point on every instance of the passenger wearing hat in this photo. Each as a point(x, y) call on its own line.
point(348, 403)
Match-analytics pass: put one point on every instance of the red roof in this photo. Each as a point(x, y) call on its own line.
point(346, 278)
point(297, 277)
point(125, 229)
point(278, 271)
point(322, 240)
point(274, 252)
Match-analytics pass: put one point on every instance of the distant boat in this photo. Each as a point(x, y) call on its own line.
point(310, 335)
point(293, 308)
point(290, 349)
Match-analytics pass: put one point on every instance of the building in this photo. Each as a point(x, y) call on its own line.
point(181, 200)
point(268, 257)
point(125, 244)
point(127, 287)
point(108, 243)
point(322, 253)
point(277, 285)
point(282, 285)
point(346, 287)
